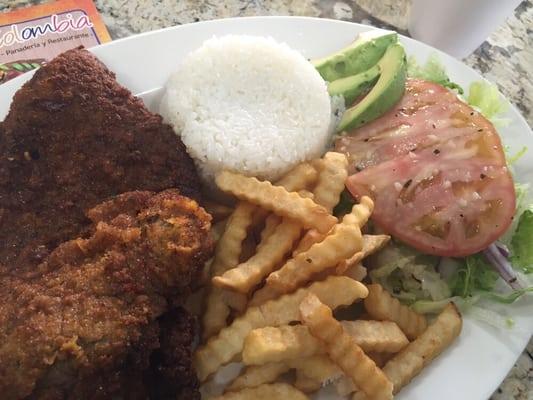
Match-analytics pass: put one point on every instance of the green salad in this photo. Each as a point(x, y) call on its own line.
point(474, 283)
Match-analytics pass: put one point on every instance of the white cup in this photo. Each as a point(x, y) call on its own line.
point(457, 27)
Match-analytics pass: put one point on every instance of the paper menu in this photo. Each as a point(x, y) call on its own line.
point(29, 37)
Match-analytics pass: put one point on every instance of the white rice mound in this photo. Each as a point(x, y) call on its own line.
point(248, 104)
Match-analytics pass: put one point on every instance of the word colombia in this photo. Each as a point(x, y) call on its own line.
point(56, 25)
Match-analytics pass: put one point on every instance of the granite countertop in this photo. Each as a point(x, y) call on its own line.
point(505, 58)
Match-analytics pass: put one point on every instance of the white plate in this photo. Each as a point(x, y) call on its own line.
point(476, 363)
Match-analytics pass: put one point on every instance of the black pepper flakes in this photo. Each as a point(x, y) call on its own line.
point(308, 260)
point(482, 176)
point(407, 183)
point(436, 151)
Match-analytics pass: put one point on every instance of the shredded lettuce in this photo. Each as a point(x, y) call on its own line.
point(433, 307)
point(521, 243)
point(511, 159)
point(476, 279)
point(521, 190)
point(475, 308)
point(487, 99)
point(408, 274)
point(483, 96)
point(427, 284)
point(432, 71)
point(506, 298)
point(475, 274)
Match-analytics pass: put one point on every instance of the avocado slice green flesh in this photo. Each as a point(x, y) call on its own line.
point(362, 54)
point(386, 93)
point(354, 86)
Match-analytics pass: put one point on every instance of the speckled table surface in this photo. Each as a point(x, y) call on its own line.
point(505, 58)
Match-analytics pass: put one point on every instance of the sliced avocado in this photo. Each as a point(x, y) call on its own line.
point(362, 54)
point(354, 86)
point(386, 93)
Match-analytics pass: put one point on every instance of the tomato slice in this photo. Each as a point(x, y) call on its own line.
point(428, 114)
point(436, 171)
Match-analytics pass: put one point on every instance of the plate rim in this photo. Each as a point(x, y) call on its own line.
point(516, 114)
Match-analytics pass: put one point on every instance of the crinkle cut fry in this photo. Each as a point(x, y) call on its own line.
point(298, 178)
point(274, 245)
point(343, 350)
point(343, 242)
point(317, 367)
point(371, 244)
point(227, 255)
point(327, 192)
point(310, 238)
point(360, 212)
point(230, 246)
point(356, 272)
point(277, 199)
point(331, 180)
point(256, 375)
point(270, 253)
point(404, 366)
point(440, 334)
point(380, 358)
point(382, 306)
point(220, 350)
point(271, 222)
point(263, 295)
point(216, 312)
point(376, 336)
point(276, 344)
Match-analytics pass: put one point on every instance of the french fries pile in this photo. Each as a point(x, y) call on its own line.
point(282, 264)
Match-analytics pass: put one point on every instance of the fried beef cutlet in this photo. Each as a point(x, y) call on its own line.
point(170, 376)
point(73, 138)
point(85, 321)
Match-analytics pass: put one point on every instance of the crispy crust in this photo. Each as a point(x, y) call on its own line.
point(73, 138)
point(85, 321)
